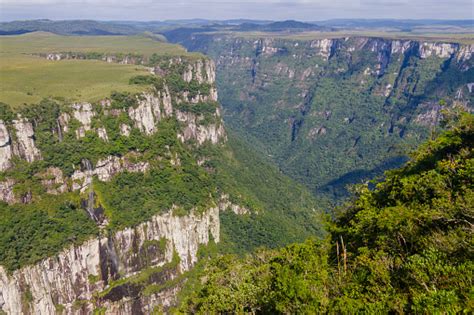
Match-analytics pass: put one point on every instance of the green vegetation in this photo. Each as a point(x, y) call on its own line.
point(147, 80)
point(283, 212)
point(404, 247)
point(93, 279)
point(28, 78)
point(59, 308)
point(280, 211)
point(41, 42)
point(99, 311)
point(132, 198)
point(31, 232)
point(336, 120)
point(79, 304)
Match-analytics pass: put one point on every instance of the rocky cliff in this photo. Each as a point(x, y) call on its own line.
point(101, 272)
point(126, 270)
point(331, 111)
point(17, 137)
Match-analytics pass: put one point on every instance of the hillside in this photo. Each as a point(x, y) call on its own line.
point(333, 109)
point(403, 247)
point(117, 195)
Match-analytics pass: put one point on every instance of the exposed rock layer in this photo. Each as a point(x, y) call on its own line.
point(80, 271)
point(94, 274)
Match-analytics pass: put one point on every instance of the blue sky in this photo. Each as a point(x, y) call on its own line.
point(307, 10)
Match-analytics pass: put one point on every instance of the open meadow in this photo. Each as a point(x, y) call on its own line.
point(26, 78)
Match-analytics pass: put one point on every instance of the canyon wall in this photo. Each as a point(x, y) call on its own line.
point(333, 111)
point(74, 279)
point(133, 270)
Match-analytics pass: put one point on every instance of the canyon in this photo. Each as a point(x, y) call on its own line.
point(108, 206)
point(334, 111)
point(114, 206)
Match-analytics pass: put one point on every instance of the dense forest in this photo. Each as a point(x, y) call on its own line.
point(403, 247)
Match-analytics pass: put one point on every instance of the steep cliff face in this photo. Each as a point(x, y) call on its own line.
point(67, 149)
point(75, 279)
point(23, 146)
point(145, 116)
point(18, 138)
point(5, 147)
point(201, 133)
point(331, 111)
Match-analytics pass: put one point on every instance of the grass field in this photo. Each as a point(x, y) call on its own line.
point(26, 79)
point(41, 42)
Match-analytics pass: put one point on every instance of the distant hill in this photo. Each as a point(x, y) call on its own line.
point(73, 27)
point(90, 27)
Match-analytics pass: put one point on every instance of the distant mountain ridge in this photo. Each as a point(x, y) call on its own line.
point(73, 27)
point(282, 26)
point(91, 27)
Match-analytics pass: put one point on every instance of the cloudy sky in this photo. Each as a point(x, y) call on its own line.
point(307, 10)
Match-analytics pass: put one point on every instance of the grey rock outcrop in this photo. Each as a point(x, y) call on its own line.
point(465, 52)
point(6, 191)
point(67, 278)
point(105, 169)
point(6, 151)
point(25, 146)
point(213, 132)
point(125, 130)
point(83, 113)
point(102, 133)
point(442, 50)
point(400, 47)
point(147, 114)
point(203, 71)
point(323, 47)
point(53, 180)
point(225, 204)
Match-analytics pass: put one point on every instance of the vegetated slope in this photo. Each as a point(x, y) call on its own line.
point(117, 197)
point(404, 247)
point(335, 111)
point(284, 211)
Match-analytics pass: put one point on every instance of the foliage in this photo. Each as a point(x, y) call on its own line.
point(404, 247)
point(288, 281)
point(329, 123)
point(147, 80)
point(31, 232)
point(6, 113)
point(282, 211)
